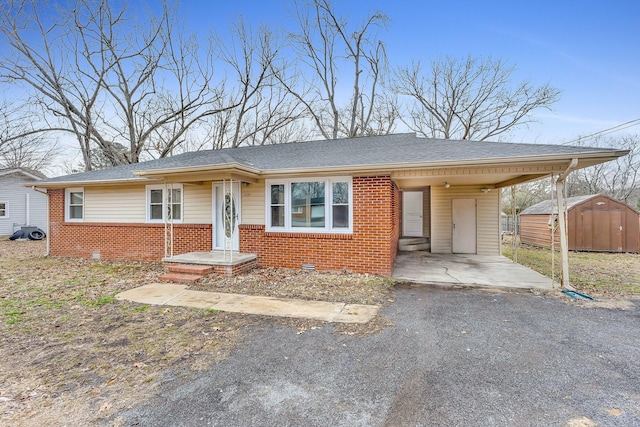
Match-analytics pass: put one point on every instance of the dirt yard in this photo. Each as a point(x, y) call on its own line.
point(71, 354)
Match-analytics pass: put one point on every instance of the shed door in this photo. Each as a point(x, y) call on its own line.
point(412, 213)
point(464, 226)
point(603, 229)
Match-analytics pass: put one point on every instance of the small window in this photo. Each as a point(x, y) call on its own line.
point(340, 204)
point(277, 205)
point(74, 198)
point(155, 204)
point(4, 209)
point(164, 203)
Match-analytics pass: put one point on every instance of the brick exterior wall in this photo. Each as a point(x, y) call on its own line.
point(370, 249)
point(118, 241)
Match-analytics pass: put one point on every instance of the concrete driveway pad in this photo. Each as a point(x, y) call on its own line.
point(179, 295)
point(466, 270)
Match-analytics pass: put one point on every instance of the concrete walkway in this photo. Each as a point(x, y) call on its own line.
point(179, 295)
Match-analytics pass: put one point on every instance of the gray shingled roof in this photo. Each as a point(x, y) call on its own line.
point(350, 152)
point(548, 207)
point(28, 171)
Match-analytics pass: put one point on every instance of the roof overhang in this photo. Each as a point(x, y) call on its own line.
point(234, 171)
point(495, 172)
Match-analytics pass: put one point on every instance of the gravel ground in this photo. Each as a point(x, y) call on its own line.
point(454, 357)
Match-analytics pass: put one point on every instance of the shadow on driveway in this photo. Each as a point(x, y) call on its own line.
point(452, 357)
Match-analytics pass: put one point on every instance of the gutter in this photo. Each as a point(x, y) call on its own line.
point(124, 181)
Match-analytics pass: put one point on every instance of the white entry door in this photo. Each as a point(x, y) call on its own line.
point(412, 213)
point(464, 226)
point(226, 216)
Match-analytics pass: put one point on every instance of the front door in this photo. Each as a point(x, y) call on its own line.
point(412, 213)
point(464, 226)
point(226, 215)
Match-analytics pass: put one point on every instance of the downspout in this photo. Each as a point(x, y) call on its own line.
point(33, 187)
point(562, 221)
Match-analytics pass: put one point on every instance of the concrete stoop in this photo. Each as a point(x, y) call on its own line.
point(409, 244)
point(185, 273)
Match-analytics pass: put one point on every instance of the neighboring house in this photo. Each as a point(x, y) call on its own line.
point(330, 205)
point(594, 223)
point(20, 205)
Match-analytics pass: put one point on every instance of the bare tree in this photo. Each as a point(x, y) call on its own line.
point(619, 178)
point(108, 79)
point(265, 109)
point(469, 99)
point(326, 45)
point(20, 144)
point(527, 194)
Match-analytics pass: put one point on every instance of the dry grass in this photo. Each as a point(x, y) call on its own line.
point(71, 354)
point(609, 275)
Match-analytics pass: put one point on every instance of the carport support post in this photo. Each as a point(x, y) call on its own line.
point(562, 222)
point(564, 251)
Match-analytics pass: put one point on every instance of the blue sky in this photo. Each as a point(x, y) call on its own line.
point(590, 50)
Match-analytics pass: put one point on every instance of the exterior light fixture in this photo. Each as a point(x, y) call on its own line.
point(485, 190)
point(447, 185)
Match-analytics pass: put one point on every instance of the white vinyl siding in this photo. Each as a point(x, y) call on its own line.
point(487, 217)
point(253, 203)
point(115, 204)
point(129, 204)
point(197, 203)
point(25, 205)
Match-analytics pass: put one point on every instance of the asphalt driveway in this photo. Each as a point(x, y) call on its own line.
point(454, 357)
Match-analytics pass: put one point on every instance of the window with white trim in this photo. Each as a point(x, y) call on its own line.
point(4, 209)
point(164, 203)
point(317, 205)
point(74, 204)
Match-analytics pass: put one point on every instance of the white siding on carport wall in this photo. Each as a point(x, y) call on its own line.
point(19, 199)
point(488, 218)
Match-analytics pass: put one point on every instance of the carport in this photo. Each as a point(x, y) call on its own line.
point(466, 270)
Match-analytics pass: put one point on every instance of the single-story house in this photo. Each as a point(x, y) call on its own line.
point(329, 205)
point(20, 205)
point(594, 223)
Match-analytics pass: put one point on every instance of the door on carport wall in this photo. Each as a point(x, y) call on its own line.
point(463, 212)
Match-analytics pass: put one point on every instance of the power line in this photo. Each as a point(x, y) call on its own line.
point(603, 132)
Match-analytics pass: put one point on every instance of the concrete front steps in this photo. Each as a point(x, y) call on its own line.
point(185, 273)
point(410, 244)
